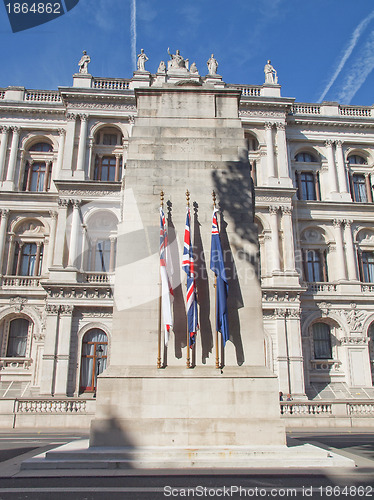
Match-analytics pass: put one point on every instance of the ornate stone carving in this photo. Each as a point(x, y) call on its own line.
point(18, 303)
point(71, 117)
point(66, 310)
point(337, 222)
point(329, 142)
point(324, 307)
point(286, 210)
point(268, 125)
point(354, 340)
point(52, 309)
point(83, 117)
point(280, 313)
point(61, 131)
point(280, 126)
point(63, 203)
point(104, 106)
point(354, 318)
point(261, 113)
point(273, 209)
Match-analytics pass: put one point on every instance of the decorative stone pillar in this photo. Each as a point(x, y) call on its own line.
point(66, 172)
point(273, 210)
point(60, 154)
point(350, 251)
point(37, 258)
point(82, 144)
point(3, 150)
point(9, 183)
point(63, 350)
point(3, 232)
point(295, 354)
point(270, 149)
point(117, 171)
point(331, 166)
point(47, 381)
point(10, 259)
point(91, 162)
point(279, 318)
point(52, 238)
point(340, 268)
point(75, 229)
point(342, 177)
point(283, 170)
point(288, 242)
point(58, 255)
point(19, 259)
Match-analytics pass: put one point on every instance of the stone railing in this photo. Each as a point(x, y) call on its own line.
point(321, 287)
point(111, 83)
point(338, 409)
point(305, 408)
point(42, 96)
point(51, 406)
point(92, 277)
point(354, 111)
point(15, 363)
point(306, 109)
point(21, 281)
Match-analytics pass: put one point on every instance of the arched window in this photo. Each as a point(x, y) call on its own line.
point(322, 341)
point(359, 179)
point(107, 155)
point(41, 147)
point(38, 168)
point(17, 338)
point(28, 259)
point(305, 157)
point(94, 358)
point(356, 160)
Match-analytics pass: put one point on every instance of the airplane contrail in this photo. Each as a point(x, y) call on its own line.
point(352, 44)
point(133, 33)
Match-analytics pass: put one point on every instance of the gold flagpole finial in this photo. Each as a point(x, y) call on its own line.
point(162, 195)
point(214, 198)
point(188, 197)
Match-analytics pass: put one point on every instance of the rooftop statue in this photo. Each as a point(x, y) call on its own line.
point(212, 65)
point(142, 59)
point(83, 63)
point(193, 68)
point(270, 73)
point(177, 61)
point(161, 67)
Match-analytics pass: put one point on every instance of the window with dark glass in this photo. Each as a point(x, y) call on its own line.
point(308, 188)
point(37, 177)
point(305, 157)
point(110, 139)
point(17, 338)
point(356, 160)
point(322, 341)
point(102, 256)
point(367, 263)
point(315, 266)
point(359, 188)
point(28, 259)
point(106, 168)
point(41, 147)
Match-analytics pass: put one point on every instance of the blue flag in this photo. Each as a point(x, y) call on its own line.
point(217, 265)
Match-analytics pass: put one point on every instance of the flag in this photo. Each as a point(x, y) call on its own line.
point(217, 265)
point(167, 295)
point(188, 267)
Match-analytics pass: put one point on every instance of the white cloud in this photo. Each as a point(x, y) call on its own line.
point(348, 51)
point(359, 71)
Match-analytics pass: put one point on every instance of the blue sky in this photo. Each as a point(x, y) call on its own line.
point(322, 49)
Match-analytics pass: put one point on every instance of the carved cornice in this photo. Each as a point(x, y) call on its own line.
point(354, 340)
point(78, 291)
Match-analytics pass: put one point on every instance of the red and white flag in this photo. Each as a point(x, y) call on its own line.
point(167, 294)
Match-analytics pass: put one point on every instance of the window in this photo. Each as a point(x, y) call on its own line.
point(322, 341)
point(94, 358)
point(359, 188)
point(110, 139)
point(305, 157)
point(367, 264)
point(315, 266)
point(356, 160)
point(102, 256)
point(17, 338)
point(41, 147)
point(308, 188)
point(28, 259)
point(107, 168)
point(37, 177)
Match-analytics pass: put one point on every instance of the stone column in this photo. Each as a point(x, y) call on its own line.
point(60, 154)
point(19, 259)
point(67, 163)
point(350, 251)
point(91, 162)
point(37, 258)
point(279, 317)
point(283, 170)
point(116, 175)
point(342, 177)
point(9, 183)
point(274, 238)
point(295, 354)
point(289, 250)
point(331, 166)
point(3, 150)
point(82, 144)
point(74, 237)
point(47, 381)
point(270, 150)
point(63, 350)
point(124, 156)
point(52, 238)
point(10, 258)
point(3, 232)
point(58, 255)
point(340, 257)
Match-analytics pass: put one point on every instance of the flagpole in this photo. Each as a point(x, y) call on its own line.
point(160, 303)
point(188, 363)
point(215, 288)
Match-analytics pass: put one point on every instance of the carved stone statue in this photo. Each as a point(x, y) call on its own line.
point(270, 73)
point(83, 63)
point(212, 65)
point(177, 61)
point(193, 68)
point(142, 59)
point(161, 67)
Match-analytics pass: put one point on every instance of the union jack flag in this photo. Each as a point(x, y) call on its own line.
point(188, 267)
point(167, 293)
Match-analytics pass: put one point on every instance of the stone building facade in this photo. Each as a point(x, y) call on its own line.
point(63, 161)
